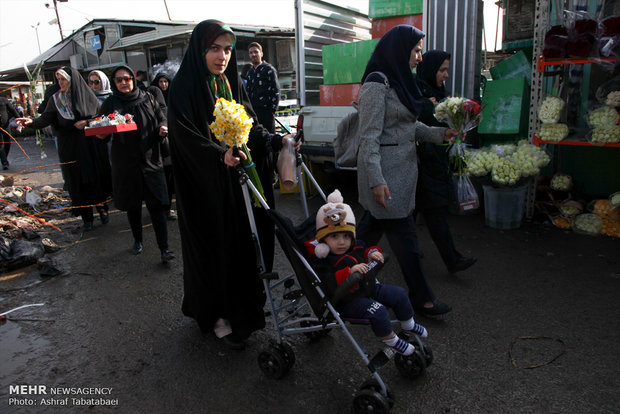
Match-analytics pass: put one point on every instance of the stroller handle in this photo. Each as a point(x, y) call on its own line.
point(365, 281)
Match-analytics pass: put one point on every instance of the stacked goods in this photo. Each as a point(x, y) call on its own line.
point(549, 114)
point(609, 215)
point(604, 123)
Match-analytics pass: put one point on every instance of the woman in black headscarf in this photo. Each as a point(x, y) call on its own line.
point(137, 169)
point(435, 191)
point(162, 81)
point(389, 105)
point(222, 288)
point(86, 167)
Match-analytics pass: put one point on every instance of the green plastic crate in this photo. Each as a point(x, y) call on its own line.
point(505, 107)
point(346, 62)
point(380, 9)
point(516, 66)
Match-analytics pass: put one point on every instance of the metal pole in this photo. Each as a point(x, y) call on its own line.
point(166, 4)
point(36, 29)
point(58, 20)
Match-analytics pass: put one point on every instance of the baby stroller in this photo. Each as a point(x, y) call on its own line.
point(304, 308)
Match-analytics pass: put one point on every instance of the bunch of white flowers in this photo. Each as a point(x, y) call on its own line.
point(504, 150)
point(553, 132)
point(561, 182)
point(613, 99)
point(568, 210)
point(606, 135)
point(614, 199)
point(505, 172)
point(549, 111)
point(588, 224)
point(480, 163)
point(603, 116)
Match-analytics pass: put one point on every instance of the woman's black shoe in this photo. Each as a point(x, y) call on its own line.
point(104, 216)
point(462, 263)
point(438, 308)
point(166, 256)
point(234, 342)
point(137, 248)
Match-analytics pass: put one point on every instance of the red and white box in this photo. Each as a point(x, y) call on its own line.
point(110, 129)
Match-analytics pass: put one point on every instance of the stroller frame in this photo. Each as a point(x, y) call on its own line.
point(290, 313)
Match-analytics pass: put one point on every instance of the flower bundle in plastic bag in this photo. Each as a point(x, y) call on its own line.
point(232, 126)
point(462, 115)
point(550, 109)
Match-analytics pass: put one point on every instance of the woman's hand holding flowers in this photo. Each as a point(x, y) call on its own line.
point(231, 160)
point(163, 131)
point(450, 135)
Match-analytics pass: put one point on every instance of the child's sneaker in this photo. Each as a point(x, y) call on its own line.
point(401, 346)
point(419, 330)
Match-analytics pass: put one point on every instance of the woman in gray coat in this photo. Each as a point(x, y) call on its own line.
point(387, 170)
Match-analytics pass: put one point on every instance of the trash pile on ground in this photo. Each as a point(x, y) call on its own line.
point(27, 218)
point(594, 217)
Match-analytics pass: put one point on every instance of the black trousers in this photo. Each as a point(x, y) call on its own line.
point(439, 231)
point(403, 240)
point(5, 147)
point(157, 212)
point(266, 118)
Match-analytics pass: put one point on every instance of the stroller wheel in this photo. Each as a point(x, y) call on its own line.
point(370, 401)
point(410, 366)
point(273, 363)
point(373, 384)
point(288, 353)
point(428, 355)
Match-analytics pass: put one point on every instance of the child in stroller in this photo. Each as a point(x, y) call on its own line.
point(339, 259)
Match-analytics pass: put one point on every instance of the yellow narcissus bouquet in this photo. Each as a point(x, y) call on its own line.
point(232, 126)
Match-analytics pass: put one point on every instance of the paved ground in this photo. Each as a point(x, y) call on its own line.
point(113, 320)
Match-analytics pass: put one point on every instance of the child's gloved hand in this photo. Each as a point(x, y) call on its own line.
point(359, 268)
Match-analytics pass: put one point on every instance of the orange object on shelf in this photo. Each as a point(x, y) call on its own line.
point(110, 129)
point(537, 141)
point(543, 63)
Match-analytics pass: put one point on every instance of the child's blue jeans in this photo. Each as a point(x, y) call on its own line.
point(375, 308)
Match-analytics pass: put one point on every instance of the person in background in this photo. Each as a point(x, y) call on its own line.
point(100, 84)
point(435, 191)
point(137, 169)
point(159, 89)
point(263, 87)
point(387, 170)
point(222, 288)
point(140, 78)
point(86, 168)
point(19, 108)
point(7, 111)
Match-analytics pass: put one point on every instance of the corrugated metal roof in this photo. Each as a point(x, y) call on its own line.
point(160, 33)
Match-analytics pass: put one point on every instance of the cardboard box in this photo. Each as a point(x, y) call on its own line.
point(392, 8)
point(110, 129)
point(516, 66)
point(339, 95)
point(346, 62)
point(381, 26)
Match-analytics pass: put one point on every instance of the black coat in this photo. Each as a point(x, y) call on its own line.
point(136, 155)
point(435, 186)
point(87, 172)
point(7, 111)
point(219, 258)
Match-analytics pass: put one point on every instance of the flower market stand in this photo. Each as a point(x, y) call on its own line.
point(504, 207)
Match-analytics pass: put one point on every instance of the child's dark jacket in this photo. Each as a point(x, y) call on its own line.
point(334, 269)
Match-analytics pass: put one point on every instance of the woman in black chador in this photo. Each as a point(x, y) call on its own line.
point(86, 166)
point(137, 169)
point(222, 289)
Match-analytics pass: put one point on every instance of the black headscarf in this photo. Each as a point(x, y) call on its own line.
point(427, 71)
point(391, 56)
point(84, 103)
point(159, 76)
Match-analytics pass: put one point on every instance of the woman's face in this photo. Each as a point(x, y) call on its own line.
point(63, 83)
point(416, 55)
point(442, 73)
point(123, 81)
point(218, 54)
point(94, 82)
point(163, 84)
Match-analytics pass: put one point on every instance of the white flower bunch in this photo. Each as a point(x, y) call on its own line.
point(529, 158)
point(613, 99)
point(480, 163)
point(561, 182)
point(603, 117)
point(232, 124)
point(504, 150)
point(568, 210)
point(505, 172)
point(606, 135)
point(614, 199)
point(553, 132)
point(549, 111)
point(588, 224)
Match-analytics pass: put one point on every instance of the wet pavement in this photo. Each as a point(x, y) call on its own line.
point(534, 328)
